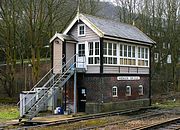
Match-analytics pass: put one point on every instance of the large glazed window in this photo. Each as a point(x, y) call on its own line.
point(143, 59)
point(127, 54)
point(110, 53)
point(94, 51)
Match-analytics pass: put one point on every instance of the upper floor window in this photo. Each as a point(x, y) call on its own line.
point(94, 50)
point(81, 29)
point(81, 50)
point(110, 53)
point(127, 54)
point(140, 90)
point(128, 90)
point(143, 56)
point(114, 91)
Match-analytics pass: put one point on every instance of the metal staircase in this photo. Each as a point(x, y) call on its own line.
point(50, 84)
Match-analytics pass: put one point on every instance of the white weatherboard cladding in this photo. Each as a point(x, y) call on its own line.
point(93, 69)
point(57, 56)
point(90, 35)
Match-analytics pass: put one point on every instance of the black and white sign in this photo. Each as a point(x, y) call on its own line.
point(128, 78)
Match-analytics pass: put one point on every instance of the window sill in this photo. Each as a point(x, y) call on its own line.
point(114, 96)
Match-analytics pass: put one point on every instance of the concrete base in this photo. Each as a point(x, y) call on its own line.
point(113, 106)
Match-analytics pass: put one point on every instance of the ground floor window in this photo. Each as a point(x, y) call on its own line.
point(140, 90)
point(128, 90)
point(114, 91)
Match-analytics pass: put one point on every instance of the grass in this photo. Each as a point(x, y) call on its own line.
point(8, 112)
point(169, 104)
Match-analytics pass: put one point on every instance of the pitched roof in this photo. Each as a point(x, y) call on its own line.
point(104, 27)
point(62, 37)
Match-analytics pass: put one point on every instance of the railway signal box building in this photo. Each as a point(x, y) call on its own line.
point(113, 64)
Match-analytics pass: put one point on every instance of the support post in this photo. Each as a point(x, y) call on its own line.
point(75, 89)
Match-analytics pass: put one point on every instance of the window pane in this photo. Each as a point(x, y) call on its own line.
point(142, 52)
point(96, 60)
point(139, 52)
point(146, 53)
point(90, 48)
point(125, 50)
point(96, 48)
point(121, 61)
point(129, 51)
point(105, 60)
point(114, 49)
point(114, 60)
point(90, 60)
point(109, 60)
point(110, 49)
point(121, 50)
point(105, 48)
point(133, 51)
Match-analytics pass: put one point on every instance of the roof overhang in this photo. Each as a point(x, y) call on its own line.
point(87, 22)
point(128, 40)
point(63, 38)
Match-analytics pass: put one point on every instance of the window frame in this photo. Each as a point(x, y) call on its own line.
point(80, 25)
point(128, 93)
point(116, 91)
point(93, 55)
point(142, 89)
point(110, 59)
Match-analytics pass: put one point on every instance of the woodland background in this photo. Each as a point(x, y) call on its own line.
point(27, 25)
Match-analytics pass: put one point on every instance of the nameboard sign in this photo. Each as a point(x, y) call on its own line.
point(128, 78)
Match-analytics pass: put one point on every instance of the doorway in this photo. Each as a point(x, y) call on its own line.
point(81, 99)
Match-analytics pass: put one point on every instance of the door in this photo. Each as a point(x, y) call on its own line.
point(81, 99)
point(81, 57)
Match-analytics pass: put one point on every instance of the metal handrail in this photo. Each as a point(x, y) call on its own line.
point(40, 80)
point(74, 64)
point(58, 77)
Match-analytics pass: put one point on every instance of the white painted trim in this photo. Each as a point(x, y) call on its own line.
point(130, 91)
point(56, 36)
point(126, 40)
point(87, 22)
point(80, 35)
point(115, 91)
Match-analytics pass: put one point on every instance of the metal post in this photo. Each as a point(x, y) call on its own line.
point(75, 103)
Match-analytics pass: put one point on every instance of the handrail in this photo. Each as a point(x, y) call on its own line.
point(40, 80)
point(59, 76)
point(57, 79)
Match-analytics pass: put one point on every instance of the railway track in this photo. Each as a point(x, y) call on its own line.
point(135, 115)
point(172, 124)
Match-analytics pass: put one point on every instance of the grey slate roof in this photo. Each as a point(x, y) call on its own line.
point(117, 29)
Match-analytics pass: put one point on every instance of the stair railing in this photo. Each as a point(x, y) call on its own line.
point(40, 81)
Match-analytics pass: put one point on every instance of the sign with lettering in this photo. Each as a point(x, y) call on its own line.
point(128, 78)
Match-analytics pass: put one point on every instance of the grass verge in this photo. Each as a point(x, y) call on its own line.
point(8, 112)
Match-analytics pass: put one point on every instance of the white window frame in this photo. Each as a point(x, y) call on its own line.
point(141, 89)
point(156, 57)
point(129, 92)
point(127, 57)
point(116, 91)
point(79, 25)
point(142, 58)
point(112, 55)
point(93, 55)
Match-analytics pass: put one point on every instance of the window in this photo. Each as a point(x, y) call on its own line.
point(143, 59)
point(156, 57)
point(81, 50)
point(94, 52)
point(127, 55)
point(110, 53)
point(114, 91)
point(81, 29)
point(140, 90)
point(128, 90)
